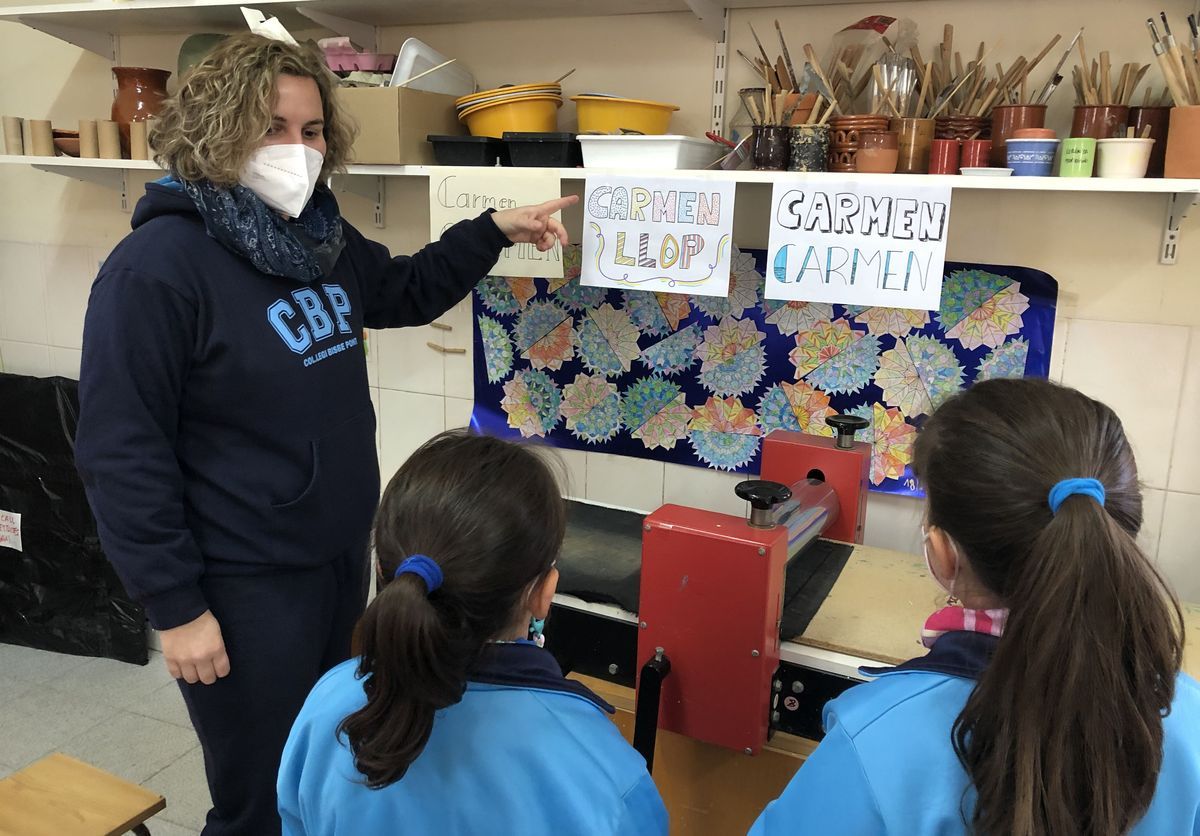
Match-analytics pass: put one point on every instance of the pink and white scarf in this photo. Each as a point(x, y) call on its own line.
point(961, 619)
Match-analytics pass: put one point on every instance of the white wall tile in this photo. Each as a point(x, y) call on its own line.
point(1153, 506)
point(407, 420)
point(31, 359)
point(1178, 555)
point(576, 462)
point(458, 413)
point(1185, 456)
point(894, 522)
point(64, 362)
point(1109, 361)
point(407, 363)
point(624, 482)
point(460, 368)
point(699, 487)
point(22, 293)
point(69, 273)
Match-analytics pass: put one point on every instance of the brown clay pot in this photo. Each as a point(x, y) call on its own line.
point(1183, 143)
point(962, 127)
point(1009, 118)
point(1099, 121)
point(844, 132)
point(140, 94)
point(1158, 118)
point(915, 138)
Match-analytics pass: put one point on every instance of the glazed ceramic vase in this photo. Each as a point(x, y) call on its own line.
point(140, 94)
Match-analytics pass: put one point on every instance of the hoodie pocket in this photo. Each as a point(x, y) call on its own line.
point(334, 512)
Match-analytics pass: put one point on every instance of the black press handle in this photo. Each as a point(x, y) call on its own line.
point(846, 426)
point(649, 698)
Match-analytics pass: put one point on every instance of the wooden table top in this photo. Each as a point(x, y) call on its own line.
point(877, 607)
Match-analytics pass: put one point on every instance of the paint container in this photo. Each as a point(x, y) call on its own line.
point(809, 148)
point(1031, 157)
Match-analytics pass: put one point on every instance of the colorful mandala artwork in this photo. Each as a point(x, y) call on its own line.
point(835, 357)
point(790, 317)
point(1007, 360)
point(745, 289)
point(531, 402)
point(673, 354)
point(891, 438)
point(576, 297)
point(918, 374)
point(732, 360)
point(798, 407)
point(497, 349)
point(572, 260)
point(981, 308)
point(545, 335)
point(724, 433)
point(656, 314)
point(895, 321)
point(592, 408)
point(655, 412)
point(608, 341)
point(505, 296)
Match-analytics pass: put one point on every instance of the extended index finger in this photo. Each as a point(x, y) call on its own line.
point(556, 205)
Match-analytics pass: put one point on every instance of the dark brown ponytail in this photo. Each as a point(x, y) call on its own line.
point(1063, 732)
point(490, 514)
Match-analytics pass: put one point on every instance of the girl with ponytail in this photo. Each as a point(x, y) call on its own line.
point(453, 719)
point(1051, 702)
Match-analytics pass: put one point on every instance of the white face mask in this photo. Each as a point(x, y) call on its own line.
point(283, 176)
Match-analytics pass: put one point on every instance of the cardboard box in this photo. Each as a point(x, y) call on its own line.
point(393, 123)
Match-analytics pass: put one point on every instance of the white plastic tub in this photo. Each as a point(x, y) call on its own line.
point(664, 152)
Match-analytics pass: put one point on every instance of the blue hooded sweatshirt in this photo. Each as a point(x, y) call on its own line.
point(524, 751)
point(225, 422)
point(887, 764)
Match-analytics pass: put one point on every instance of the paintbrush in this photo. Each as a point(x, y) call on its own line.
point(758, 43)
point(1169, 68)
point(1188, 67)
point(787, 56)
point(1047, 90)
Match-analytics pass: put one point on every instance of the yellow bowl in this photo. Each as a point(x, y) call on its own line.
point(600, 114)
point(487, 94)
point(532, 114)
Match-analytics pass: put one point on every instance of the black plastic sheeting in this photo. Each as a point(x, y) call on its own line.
point(59, 593)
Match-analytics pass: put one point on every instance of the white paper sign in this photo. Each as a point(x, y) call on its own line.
point(457, 194)
point(853, 243)
point(10, 530)
point(667, 234)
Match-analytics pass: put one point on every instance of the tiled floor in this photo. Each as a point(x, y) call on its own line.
point(126, 719)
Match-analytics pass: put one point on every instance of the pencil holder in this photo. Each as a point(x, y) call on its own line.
point(810, 148)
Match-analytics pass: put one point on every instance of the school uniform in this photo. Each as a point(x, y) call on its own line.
point(525, 751)
point(227, 444)
point(887, 765)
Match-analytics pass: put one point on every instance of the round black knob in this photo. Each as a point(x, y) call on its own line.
point(846, 426)
point(763, 495)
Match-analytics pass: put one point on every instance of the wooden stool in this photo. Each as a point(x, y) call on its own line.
point(60, 796)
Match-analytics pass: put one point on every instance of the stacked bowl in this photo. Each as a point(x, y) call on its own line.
point(523, 108)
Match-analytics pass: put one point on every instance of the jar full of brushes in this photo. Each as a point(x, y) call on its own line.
point(1007, 120)
point(915, 137)
point(770, 147)
point(809, 148)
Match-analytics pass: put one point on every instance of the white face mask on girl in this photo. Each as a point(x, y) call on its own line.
point(283, 176)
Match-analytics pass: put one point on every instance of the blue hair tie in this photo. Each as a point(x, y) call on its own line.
point(424, 568)
point(1075, 487)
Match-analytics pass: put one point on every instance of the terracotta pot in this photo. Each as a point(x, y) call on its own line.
point(1008, 118)
point(844, 132)
point(1099, 121)
point(1158, 118)
point(1183, 143)
point(878, 152)
point(963, 127)
point(915, 138)
point(140, 94)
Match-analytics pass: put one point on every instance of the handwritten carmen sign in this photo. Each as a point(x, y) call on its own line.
point(460, 194)
point(858, 244)
point(667, 234)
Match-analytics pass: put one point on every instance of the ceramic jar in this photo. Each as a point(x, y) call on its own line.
point(810, 148)
point(844, 132)
point(140, 94)
point(1099, 121)
point(1006, 120)
point(962, 127)
point(1183, 143)
point(1158, 118)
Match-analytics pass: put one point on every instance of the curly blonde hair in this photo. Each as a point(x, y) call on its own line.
point(224, 105)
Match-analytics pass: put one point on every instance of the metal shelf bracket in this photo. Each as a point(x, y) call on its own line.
point(103, 44)
point(372, 188)
point(1178, 205)
point(116, 179)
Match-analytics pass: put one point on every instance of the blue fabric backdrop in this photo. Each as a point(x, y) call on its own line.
point(699, 380)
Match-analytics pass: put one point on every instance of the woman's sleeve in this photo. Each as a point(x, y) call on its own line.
point(138, 339)
point(830, 794)
point(417, 289)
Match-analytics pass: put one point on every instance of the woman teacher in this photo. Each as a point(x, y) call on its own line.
point(226, 436)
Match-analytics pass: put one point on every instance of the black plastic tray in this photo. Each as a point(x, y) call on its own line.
point(544, 150)
point(468, 150)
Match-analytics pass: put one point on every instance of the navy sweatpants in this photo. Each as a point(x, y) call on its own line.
point(282, 631)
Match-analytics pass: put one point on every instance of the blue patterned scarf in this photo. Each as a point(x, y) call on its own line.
point(304, 249)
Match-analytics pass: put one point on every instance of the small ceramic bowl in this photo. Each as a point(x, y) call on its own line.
point(66, 142)
point(1031, 157)
point(986, 172)
point(1034, 133)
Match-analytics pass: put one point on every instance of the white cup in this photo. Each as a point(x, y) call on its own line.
point(1122, 157)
